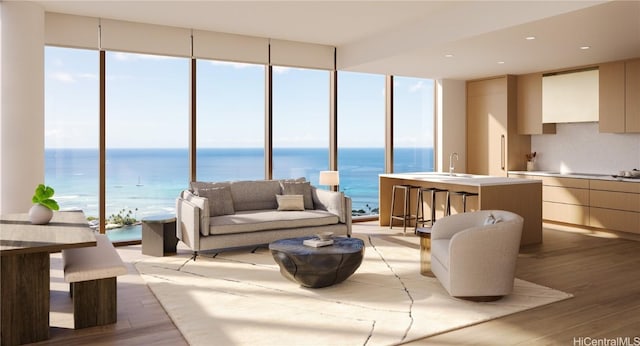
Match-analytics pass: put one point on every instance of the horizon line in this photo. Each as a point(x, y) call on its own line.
point(186, 148)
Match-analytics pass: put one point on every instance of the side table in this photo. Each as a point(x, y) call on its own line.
point(159, 235)
point(425, 250)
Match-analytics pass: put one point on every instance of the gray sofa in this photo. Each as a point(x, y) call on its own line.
point(217, 216)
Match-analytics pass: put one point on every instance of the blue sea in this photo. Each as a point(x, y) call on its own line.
point(147, 181)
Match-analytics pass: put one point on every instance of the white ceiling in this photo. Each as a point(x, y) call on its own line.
point(410, 38)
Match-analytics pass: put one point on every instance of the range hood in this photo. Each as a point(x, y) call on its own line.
point(570, 97)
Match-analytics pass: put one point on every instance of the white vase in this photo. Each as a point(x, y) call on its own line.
point(40, 215)
point(530, 166)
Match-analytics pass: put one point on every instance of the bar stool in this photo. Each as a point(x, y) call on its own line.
point(406, 210)
point(420, 210)
point(464, 195)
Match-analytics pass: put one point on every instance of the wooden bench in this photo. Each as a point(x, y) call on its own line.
point(91, 273)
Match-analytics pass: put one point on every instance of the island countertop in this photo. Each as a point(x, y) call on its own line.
point(519, 195)
point(457, 178)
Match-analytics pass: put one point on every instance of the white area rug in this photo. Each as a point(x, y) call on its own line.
point(240, 298)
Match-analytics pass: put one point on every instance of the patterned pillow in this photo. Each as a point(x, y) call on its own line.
point(299, 188)
point(290, 202)
point(220, 200)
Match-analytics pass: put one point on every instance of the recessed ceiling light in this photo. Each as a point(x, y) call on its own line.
point(500, 62)
point(448, 55)
point(585, 47)
point(530, 38)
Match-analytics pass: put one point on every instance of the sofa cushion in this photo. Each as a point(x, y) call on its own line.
point(203, 204)
point(299, 188)
point(255, 194)
point(220, 201)
point(196, 185)
point(290, 202)
point(293, 180)
point(330, 201)
point(261, 220)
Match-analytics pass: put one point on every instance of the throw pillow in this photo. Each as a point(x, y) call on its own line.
point(220, 200)
point(299, 188)
point(290, 202)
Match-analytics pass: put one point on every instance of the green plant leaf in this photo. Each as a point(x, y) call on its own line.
point(51, 204)
point(48, 192)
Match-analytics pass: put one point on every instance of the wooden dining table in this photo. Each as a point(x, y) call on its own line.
point(24, 270)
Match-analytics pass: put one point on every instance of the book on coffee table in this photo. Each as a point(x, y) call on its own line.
point(317, 242)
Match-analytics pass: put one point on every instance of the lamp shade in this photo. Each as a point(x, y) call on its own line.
point(329, 178)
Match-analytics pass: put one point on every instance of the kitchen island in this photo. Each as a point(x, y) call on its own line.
point(521, 196)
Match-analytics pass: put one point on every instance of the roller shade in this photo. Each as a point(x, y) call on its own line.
point(70, 31)
point(299, 54)
point(230, 47)
point(82, 32)
point(145, 38)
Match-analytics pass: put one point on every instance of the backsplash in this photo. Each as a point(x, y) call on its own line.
point(580, 148)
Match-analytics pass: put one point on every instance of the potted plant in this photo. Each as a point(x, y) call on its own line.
point(530, 158)
point(42, 210)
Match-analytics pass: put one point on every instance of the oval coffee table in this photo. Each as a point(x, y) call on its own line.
point(317, 267)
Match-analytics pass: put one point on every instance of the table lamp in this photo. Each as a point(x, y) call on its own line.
point(331, 178)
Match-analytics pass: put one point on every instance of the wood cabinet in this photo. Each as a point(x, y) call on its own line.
point(565, 200)
point(615, 205)
point(612, 205)
point(530, 106)
point(619, 96)
point(493, 144)
point(632, 96)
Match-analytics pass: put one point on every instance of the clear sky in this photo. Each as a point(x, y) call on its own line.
point(147, 104)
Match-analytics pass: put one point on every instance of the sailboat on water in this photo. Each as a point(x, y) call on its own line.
point(139, 184)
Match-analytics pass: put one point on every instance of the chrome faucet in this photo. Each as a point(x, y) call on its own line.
point(451, 166)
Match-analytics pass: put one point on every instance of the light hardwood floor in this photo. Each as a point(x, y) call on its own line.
point(601, 270)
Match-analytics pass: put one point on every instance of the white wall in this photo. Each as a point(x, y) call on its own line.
point(21, 103)
point(451, 124)
point(580, 148)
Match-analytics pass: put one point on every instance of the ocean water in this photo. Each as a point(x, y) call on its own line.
point(147, 181)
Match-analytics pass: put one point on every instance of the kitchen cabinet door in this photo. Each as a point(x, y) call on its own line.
point(493, 144)
point(632, 96)
point(612, 97)
point(487, 126)
point(530, 106)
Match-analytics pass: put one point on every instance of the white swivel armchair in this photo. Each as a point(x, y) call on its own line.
point(474, 258)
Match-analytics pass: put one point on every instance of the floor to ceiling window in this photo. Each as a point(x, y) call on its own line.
point(71, 127)
point(147, 129)
point(361, 121)
point(300, 123)
point(413, 112)
point(147, 111)
point(230, 121)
